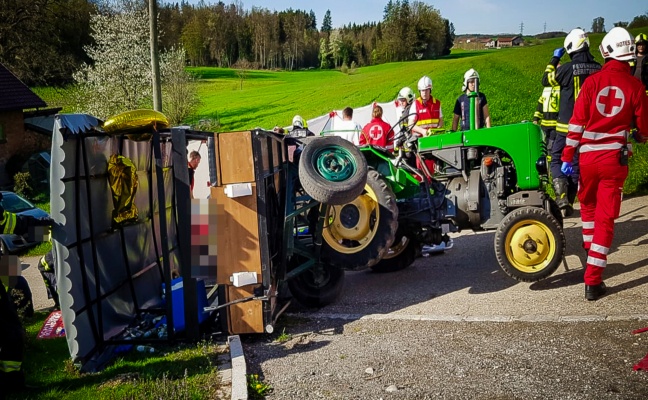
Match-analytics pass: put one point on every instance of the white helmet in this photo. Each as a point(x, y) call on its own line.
point(576, 40)
point(407, 94)
point(298, 121)
point(618, 44)
point(470, 74)
point(425, 83)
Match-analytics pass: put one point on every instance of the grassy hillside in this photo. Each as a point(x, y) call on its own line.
point(511, 79)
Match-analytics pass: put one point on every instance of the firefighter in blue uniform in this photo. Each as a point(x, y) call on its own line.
point(570, 77)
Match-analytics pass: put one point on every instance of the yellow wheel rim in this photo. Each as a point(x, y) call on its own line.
point(530, 246)
point(351, 227)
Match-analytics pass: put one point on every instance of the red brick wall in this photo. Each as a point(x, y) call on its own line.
point(19, 142)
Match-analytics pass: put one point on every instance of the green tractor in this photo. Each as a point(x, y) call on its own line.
point(484, 179)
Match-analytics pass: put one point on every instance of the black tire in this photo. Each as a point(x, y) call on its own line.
point(402, 253)
point(529, 244)
point(555, 211)
point(318, 286)
point(358, 234)
point(344, 163)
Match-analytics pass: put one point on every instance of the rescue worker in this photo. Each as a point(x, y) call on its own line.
point(570, 77)
point(48, 272)
point(546, 113)
point(404, 101)
point(346, 127)
point(298, 130)
point(192, 164)
point(640, 66)
point(428, 110)
point(462, 105)
point(11, 330)
point(610, 103)
point(378, 132)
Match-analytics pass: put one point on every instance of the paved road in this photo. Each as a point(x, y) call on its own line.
point(456, 326)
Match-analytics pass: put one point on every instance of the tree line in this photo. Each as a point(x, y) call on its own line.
point(44, 42)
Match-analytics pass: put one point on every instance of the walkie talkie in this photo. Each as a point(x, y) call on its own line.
point(623, 157)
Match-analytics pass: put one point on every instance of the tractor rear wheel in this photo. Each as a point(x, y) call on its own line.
point(359, 233)
point(529, 244)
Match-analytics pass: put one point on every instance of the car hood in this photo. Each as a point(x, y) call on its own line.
point(34, 212)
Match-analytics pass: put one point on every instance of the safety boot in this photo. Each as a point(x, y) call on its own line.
point(595, 292)
point(561, 188)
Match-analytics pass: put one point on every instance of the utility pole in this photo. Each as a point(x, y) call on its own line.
point(521, 28)
point(155, 57)
point(545, 27)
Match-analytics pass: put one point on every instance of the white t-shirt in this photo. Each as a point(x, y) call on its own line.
point(348, 130)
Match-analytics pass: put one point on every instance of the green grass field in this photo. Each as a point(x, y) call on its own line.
point(510, 78)
point(186, 371)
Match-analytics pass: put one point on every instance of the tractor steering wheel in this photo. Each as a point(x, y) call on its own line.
point(405, 135)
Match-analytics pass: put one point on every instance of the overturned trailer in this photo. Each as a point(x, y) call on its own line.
point(124, 227)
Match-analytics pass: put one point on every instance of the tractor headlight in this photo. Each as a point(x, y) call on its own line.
point(541, 166)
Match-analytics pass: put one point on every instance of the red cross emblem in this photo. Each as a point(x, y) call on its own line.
point(376, 132)
point(610, 101)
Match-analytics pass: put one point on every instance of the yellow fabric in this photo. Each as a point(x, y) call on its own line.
point(122, 177)
point(10, 366)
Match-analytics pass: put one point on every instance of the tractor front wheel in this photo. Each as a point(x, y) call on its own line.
point(529, 244)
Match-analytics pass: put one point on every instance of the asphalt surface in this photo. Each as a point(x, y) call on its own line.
point(456, 326)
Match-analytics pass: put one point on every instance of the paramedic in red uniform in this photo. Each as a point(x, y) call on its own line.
point(428, 116)
point(610, 103)
point(375, 132)
point(428, 109)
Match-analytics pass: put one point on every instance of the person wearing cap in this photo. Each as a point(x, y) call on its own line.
point(640, 65)
point(611, 102)
point(297, 130)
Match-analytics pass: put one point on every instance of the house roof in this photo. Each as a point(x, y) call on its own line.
point(15, 95)
point(508, 38)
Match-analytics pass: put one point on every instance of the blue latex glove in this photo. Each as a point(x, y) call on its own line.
point(559, 52)
point(567, 168)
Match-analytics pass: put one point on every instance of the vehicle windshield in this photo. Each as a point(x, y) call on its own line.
point(15, 204)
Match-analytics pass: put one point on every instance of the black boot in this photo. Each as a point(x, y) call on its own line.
point(595, 292)
point(561, 188)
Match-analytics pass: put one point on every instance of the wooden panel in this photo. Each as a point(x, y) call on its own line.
point(246, 317)
point(219, 178)
point(236, 161)
point(237, 234)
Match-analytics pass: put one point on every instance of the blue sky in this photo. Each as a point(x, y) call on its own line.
point(475, 16)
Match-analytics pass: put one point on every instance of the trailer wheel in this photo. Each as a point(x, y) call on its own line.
point(358, 234)
point(529, 244)
point(318, 286)
point(401, 254)
point(332, 170)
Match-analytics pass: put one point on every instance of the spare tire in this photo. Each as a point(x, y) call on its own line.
point(332, 170)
